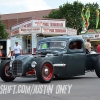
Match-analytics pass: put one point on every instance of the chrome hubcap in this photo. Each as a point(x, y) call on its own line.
point(46, 71)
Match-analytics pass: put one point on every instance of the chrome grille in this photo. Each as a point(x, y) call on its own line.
point(17, 68)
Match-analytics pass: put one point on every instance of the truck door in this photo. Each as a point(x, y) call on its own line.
point(75, 58)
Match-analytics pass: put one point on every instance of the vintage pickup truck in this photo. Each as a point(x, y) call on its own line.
point(59, 57)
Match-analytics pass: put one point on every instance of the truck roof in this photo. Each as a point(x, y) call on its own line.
point(61, 38)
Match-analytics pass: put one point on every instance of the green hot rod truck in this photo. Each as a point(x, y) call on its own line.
point(59, 56)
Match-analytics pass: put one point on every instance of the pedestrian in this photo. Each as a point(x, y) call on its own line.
point(9, 54)
point(88, 45)
point(17, 50)
point(98, 48)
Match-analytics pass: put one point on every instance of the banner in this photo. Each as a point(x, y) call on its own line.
point(97, 17)
point(83, 17)
point(87, 15)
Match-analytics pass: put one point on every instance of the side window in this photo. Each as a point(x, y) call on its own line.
point(75, 45)
point(57, 44)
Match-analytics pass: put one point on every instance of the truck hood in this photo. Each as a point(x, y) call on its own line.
point(45, 52)
point(24, 58)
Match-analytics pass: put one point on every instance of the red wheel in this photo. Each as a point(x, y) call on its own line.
point(4, 72)
point(47, 71)
point(44, 72)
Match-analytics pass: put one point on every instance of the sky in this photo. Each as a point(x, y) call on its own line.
point(18, 6)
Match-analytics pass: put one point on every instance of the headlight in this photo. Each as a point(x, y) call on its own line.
point(33, 64)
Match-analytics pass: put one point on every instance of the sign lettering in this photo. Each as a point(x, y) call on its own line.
point(15, 32)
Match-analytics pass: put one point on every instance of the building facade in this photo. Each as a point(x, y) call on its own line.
point(15, 18)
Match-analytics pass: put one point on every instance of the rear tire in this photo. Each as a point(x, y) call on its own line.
point(97, 67)
point(4, 72)
point(45, 72)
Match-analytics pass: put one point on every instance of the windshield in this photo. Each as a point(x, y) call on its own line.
point(51, 45)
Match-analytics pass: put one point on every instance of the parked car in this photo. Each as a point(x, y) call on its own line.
point(61, 56)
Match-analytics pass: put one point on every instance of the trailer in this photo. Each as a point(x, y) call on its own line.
point(5, 43)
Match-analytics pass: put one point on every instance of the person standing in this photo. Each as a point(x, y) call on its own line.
point(17, 50)
point(88, 45)
point(9, 54)
point(98, 48)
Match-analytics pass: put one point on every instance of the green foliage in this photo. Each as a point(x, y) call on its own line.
point(3, 32)
point(54, 14)
point(72, 13)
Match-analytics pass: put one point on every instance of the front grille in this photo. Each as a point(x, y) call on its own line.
point(17, 68)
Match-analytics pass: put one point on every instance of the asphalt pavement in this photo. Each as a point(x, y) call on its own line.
point(86, 87)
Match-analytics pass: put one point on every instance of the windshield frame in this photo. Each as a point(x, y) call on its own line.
point(43, 42)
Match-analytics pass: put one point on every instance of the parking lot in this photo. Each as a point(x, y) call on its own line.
point(86, 87)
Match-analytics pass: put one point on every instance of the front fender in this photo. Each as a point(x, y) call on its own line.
point(26, 62)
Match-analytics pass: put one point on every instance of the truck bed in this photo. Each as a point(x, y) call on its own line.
point(91, 61)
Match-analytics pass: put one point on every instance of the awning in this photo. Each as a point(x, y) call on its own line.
point(95, 39)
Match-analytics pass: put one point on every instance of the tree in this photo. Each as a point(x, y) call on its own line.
point(3, 32)
point(72, 13)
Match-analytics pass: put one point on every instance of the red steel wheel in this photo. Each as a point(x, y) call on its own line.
point(4, 72)
point(47, 71)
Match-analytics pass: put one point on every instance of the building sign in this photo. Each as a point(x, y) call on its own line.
point(49, 23)
point(15, 32)
point(97, 35)
point(92, 36)
point(71, 31)
point(43, 30)
point(34, 23)
point(54, 30)
point(91, 31)
point(24, 30)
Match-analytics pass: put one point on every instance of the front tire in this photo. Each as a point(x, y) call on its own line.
point(4, 72)
point(45, 72)
point(97, 67)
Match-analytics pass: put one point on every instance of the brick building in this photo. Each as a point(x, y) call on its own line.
point(15, 18)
